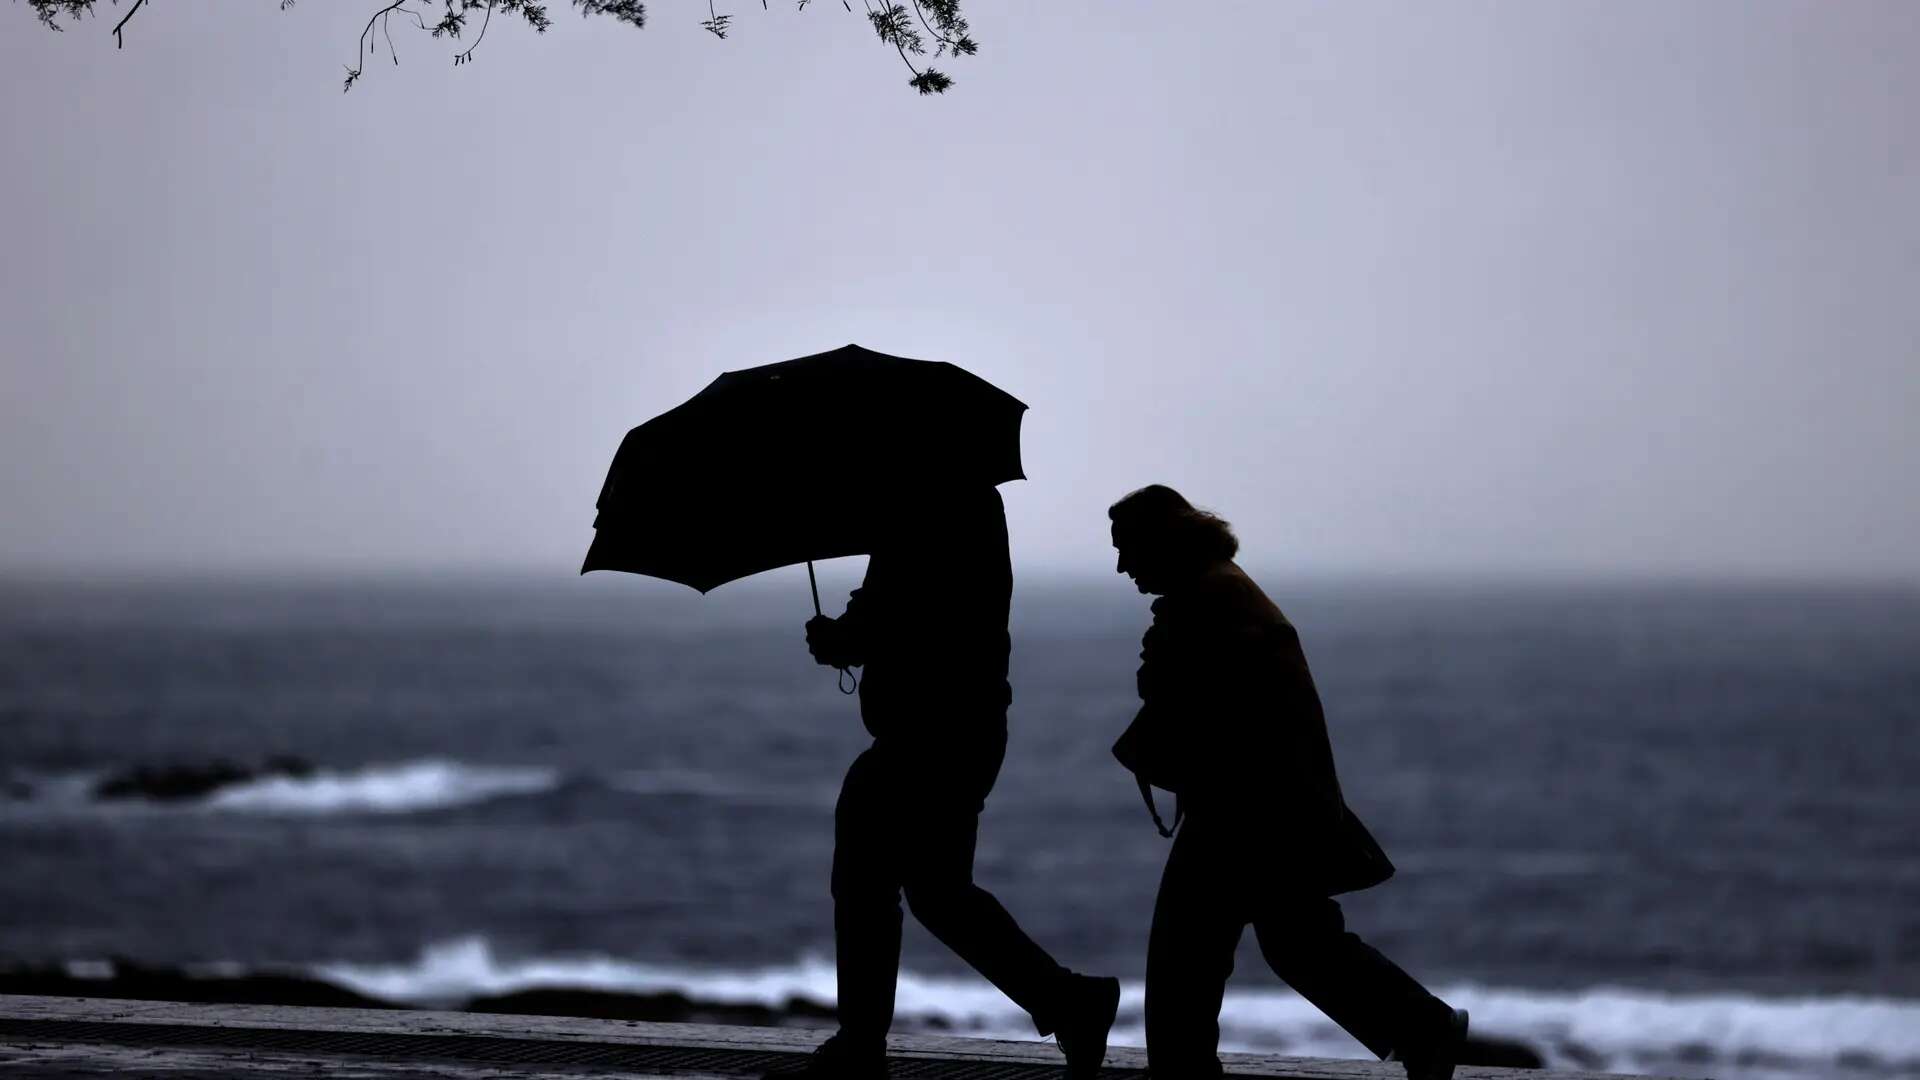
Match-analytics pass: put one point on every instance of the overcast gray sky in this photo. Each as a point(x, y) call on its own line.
point(1616, 288)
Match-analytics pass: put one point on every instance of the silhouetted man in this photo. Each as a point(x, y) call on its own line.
point(1230, 722)
point(929, 624)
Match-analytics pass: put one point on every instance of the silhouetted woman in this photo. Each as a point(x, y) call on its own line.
point(1230, 722)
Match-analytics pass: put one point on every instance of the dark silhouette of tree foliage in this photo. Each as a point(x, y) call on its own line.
point(910, 28)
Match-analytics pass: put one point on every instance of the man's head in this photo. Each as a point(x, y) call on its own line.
point(1163, 540)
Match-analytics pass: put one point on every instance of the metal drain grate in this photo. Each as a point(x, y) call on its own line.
point(502, 1051)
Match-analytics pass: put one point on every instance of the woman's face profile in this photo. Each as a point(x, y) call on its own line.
point(1134, 559)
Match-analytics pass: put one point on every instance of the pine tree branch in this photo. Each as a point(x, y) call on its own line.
point(908, 31)
point(360, 61)
point(466, 55)
point(118, 41)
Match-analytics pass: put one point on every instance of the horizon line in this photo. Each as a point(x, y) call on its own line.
point(521, 574)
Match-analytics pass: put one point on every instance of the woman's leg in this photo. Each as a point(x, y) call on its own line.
point(1197, 921)
point(1305, 940)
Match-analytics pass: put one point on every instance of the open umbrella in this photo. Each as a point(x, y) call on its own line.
point(792, 462)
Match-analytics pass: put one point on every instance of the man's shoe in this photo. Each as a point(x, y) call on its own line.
point(835, 1059)
point(1083, 1025)
point(1435, 1060)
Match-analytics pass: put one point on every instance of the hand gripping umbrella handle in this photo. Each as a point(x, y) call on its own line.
point(846, 674)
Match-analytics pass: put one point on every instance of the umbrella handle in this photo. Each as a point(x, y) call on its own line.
point(845, 673)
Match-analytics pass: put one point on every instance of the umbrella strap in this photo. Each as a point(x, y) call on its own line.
point(848, 677)
point(1179, 811)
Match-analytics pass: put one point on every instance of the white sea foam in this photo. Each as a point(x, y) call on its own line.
point(451, 971)
point(401, 788)
point(1609, 1028)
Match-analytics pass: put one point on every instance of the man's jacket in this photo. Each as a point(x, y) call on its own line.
point(1231, 722)
point(929, 623)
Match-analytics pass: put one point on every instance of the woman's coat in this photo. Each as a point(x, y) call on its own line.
point(1230, 722)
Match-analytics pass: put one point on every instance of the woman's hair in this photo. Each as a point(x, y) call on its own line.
point(1160, 513)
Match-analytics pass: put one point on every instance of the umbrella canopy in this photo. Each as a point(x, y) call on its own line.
point(796, 461)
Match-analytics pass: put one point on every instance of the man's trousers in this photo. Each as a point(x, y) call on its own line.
point(906, 823)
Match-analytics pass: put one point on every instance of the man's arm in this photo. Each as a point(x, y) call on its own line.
point(841, 642)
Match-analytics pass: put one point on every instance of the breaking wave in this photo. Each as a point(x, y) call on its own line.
point(1599, 1028)
point(384, 789)
point(388, 788)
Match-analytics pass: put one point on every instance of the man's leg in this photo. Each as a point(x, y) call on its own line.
point(1197, 921)
point(866, 904)
point(1305, 940)
point(940, 827)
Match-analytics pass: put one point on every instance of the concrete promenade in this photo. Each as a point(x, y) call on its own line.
point(91, 1037)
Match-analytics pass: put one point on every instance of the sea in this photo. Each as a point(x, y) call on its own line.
point(1668, 828)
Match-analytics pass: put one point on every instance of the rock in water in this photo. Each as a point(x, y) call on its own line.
point(174, 783)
